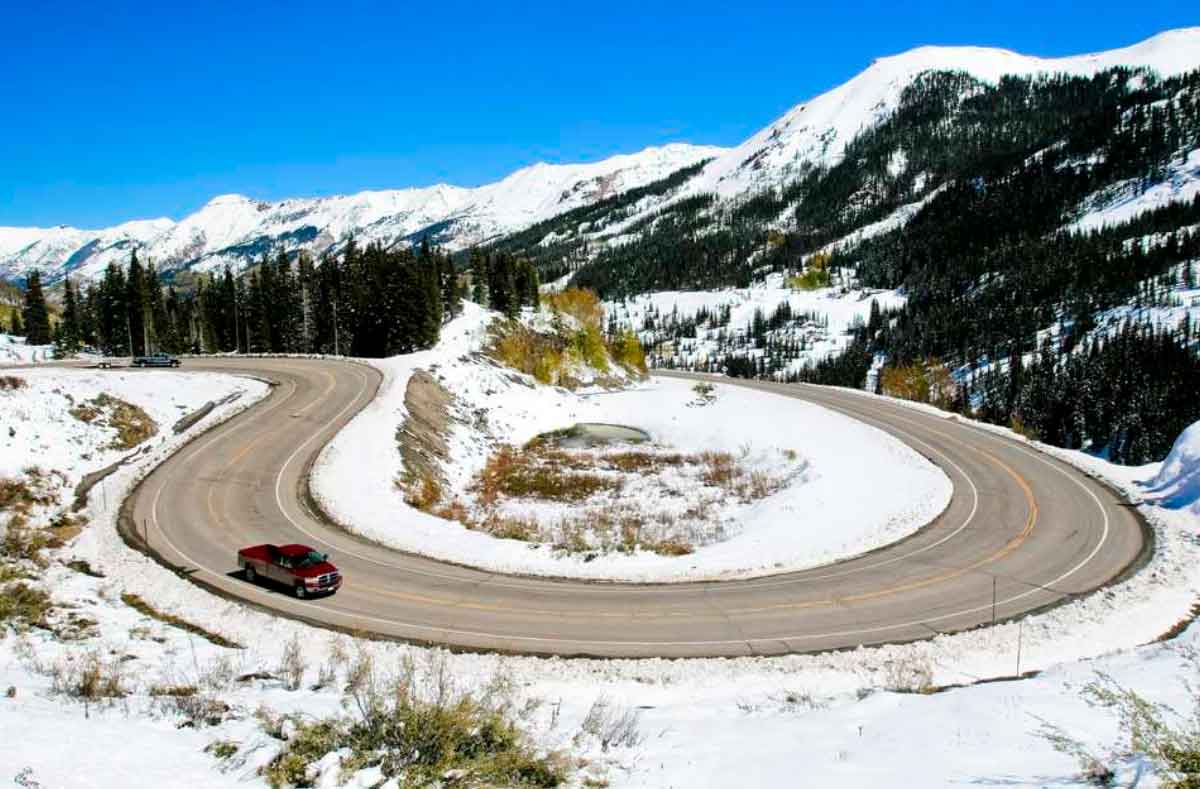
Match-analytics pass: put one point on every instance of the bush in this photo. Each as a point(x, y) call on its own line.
point(815, 276)
point(22, 605)
point(582, 305)
point(419, 730)
point(292, 664)
point(90, 678)
point(627, 351)
point(521, 474)
point(926, 381)
point(11, 383)
point(133, 425)
point(422, 492)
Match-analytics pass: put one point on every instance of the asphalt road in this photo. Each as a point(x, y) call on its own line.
point(1020, 523)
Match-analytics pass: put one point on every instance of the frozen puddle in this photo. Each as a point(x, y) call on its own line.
point(584, 435)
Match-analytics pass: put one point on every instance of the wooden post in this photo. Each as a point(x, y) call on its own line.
point(1020, 630)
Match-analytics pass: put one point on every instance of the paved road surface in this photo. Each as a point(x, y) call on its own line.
point(1031, 525)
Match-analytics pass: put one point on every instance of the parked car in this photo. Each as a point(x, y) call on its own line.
point(156, 360)
point(300, 569)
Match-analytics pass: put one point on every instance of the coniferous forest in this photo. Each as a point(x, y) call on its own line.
point(370, 302)
point(989, 262)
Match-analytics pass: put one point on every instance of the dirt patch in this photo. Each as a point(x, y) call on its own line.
point(132, 424)
point(422, 437)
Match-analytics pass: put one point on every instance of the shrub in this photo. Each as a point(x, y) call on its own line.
point(587, 345)
point(517, 346)
point(222, 749)
point(816, 274)
point(90, 678)
point(20, 542)
point(23, 605)
point(418, 729)
point(11, 383)
point(421, 492)
point(613, 727)
point(925, 381)
point(627, 350)
point(292, 664)
point(582, 305)
point(133, 425)
point(518, 474)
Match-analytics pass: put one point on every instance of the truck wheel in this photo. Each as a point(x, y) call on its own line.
point(251, 576)
point(299, 591)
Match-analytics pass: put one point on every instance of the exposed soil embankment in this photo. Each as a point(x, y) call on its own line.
point(422, 436)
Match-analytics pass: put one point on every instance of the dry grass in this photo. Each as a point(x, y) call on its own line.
point(90, 678)
point(530, 474)
point(24, 606)
point(416, 727)
point(421, 491)
point(21, 495)
point(589, 478)
point(145, 609)
point(133, 425)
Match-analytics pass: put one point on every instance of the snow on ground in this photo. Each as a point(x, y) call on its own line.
point(1124, 202)
point(839, 308)
point(1177, 483)
point(749, 721)
point(35, 421)
point(13, 350)
point(822, 455)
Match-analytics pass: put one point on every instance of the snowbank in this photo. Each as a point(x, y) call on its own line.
point(13, 350)
point(1177, 483)
point(702, 722)
point(816, 519)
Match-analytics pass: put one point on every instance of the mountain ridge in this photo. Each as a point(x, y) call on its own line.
point(235, 230)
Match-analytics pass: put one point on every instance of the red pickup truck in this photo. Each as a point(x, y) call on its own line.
point(299, 568)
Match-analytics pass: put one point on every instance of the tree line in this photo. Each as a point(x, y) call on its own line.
point(369, 302)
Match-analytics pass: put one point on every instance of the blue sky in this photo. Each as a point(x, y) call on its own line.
point(114, 111)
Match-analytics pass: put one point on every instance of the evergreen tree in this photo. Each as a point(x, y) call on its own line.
point(35, 316)
point(68, 341)
point(479, 278)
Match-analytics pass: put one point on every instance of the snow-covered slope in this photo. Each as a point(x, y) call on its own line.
point(232, 229)
point(1177, 483)
point(817, 131)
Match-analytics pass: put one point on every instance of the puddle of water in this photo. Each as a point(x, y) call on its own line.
point(591, 434)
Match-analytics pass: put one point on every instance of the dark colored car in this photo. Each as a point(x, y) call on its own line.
point(156, 360)
point(301, 569)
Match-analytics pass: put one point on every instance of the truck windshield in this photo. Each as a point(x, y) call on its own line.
point(310, 558)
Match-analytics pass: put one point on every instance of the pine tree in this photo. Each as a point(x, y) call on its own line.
point(68, 340)
point(34, 314)
point(451, 292)
point(136, 305)
point(479, 278)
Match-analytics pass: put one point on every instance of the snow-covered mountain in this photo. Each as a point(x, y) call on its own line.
point(234, 230)
point(817, 131)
